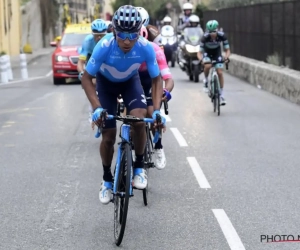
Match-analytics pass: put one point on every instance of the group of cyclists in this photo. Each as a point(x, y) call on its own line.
point(126, 58)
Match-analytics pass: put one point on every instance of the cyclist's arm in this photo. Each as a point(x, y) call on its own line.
point(82, 57)
point(91, 70)
point(200, 53)
point(225, 45)
point(80, 65)
point(164, 68)
point(153, 69)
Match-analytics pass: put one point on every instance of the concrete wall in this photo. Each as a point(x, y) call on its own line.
point(32, 25)
point(280, 81)
point(10, 26)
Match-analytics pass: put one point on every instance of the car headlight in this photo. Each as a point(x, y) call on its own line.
point(62, 58)
point(192, 49)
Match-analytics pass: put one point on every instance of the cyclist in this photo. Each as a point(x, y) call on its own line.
point(144, 15)
point(110, 28)
point(146, 83)
point(99, 28)
point(210, 49)
point(115, 62)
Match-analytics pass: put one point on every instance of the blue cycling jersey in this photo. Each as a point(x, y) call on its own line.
point(110, 61)
point(88, 46)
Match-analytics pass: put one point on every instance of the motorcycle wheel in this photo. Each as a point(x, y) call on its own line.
point(196, 75)
point(173, 60)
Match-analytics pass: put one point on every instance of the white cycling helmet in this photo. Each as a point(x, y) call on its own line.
point(187, 6)
point(145, 15)
point(194, 19)
point(167, 19)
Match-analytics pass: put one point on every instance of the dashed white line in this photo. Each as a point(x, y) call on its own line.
point(229, 232)
point(42, 97)
point(49, 74)
point(179, 137)
point(25, 80)
point(203, 183)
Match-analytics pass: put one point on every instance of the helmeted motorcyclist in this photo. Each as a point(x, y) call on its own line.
point(188, 11)
point(167, 20)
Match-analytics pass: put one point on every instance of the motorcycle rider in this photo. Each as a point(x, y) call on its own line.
point(194, 21)
point(167, 20)
point(183, 19)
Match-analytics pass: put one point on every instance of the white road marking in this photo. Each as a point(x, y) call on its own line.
point(203, 183)
point(229, 232)
point(49, 73)
point(26, 80)
point(42, 97)
point(179, 137)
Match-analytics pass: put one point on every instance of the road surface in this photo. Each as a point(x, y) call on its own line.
point(228, 180)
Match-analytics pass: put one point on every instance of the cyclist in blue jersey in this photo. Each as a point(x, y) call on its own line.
point(99, 29)
point(115, 62)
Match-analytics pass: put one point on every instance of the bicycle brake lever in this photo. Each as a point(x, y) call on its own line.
point(156, 136)
point(102, 118)
point(98, 133)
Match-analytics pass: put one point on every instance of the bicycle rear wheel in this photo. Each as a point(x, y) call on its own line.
point(148, 162)
point(214, 94)
point(217, 95)
point(121, 198)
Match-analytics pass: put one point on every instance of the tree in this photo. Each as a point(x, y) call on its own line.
point(200, 8)
point(156, 8)
point(50, 14)
point(218, 4)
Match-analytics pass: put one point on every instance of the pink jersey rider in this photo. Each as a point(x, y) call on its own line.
point(160, 57)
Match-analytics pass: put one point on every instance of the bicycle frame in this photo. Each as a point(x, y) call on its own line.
point(212, 74)
point(125, 136)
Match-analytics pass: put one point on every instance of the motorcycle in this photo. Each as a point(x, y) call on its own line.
point(187, 53)
point(169, 41)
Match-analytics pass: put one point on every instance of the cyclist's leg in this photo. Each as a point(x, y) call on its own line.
point(90, 106)
point(107, 94)
point(160, 158)
point(219, 68)
point(135, 102)
point(207, 67)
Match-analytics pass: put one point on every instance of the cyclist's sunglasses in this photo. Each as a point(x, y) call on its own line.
point(124, 35)
point(213, 31)
point(97, 33)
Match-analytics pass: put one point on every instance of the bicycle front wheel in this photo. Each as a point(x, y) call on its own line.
point(121, 199)
point(217, 96)
point(148, 162)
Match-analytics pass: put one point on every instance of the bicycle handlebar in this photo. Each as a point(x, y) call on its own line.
point(214, 62)
point(166, 107)
point(129, 118)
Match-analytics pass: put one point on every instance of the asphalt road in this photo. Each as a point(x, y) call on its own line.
point(228, 180)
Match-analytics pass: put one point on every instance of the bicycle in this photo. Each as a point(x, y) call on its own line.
point(214, 86)
point(123, 173)
point(149, 151)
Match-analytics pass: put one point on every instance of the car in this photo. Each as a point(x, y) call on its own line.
point(65, 57)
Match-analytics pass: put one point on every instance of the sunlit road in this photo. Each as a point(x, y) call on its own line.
point(228, 180)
